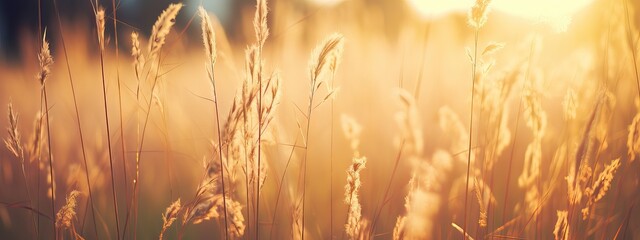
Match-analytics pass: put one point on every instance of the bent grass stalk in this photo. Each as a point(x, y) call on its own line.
point(159, 32)
point(323, 57)
point(14, 144)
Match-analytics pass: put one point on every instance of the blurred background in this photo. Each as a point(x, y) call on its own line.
point(19, 19)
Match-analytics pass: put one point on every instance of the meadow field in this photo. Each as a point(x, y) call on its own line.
point(324, 119)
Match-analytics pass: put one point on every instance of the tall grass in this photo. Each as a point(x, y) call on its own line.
point(543, 146)
point(46, 61)
point(477, 18)
point(209, 40)
point(100, 22)
point(323, 57)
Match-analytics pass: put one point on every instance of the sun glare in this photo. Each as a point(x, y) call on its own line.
point(325, 2)
point(324, 119)
point(553, 12)
point(437, 8)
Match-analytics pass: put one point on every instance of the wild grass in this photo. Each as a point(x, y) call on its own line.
point(209, 40)
point(46, 60)
point(540, 143)
point(477, 18)
point(100, 22)
point(323, 58)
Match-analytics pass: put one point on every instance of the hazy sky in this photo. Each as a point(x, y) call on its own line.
point(21, 16)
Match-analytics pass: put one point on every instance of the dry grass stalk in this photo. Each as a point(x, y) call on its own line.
point(260, 22)
point(462, 231)
point(409, 123)
point(365, 230)
point(261, 32)
point(494, 92)
point(13, 143)
point(296, 215)
point(202, 207)
point(600, 187)
point(253, 108)
point(169, 216)
point(324, 54)
point(478, 14)
point(161, 28)
point(245, 116)
point(159, 32)
point(237, 226)
point(570, 105)
point(208, 36)
point(561, 230)
point(211, 207)
point(495, 143)
point(601, 130)
point(482, 221)
point(477, 17)
point(492, 48)
point(577, 183)
point(584, 148)
point(138, 56)
point(353, 226)
point(100, 23)
point(423, 198)
point(138, 66)
point(67, 213)
point(450, 123)
point(45, 60)
point(633, 138)
point(351, 195)
point(209, 203)
point(398, 229)
point(65, 216)
point(35, 142)
point(502, 138)
point(206, 209)
point(537, 121)
point(208, 39)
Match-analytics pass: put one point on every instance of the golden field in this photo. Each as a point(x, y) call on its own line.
point(318, 119)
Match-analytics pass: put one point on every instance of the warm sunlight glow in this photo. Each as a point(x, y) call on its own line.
point(325, 2)
point(556, 13)
point(324, 119)
point(437, 8)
